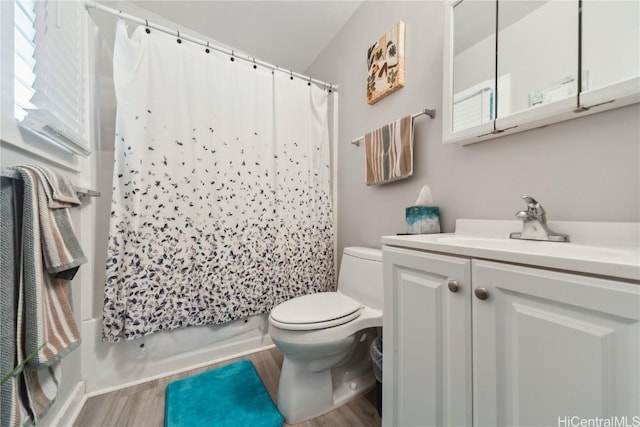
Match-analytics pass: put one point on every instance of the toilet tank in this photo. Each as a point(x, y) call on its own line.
point(360, 276)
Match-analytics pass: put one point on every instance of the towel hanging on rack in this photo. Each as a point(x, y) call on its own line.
point(40, 253)
point(389, 152)
point(425, 112)
point(80, 192)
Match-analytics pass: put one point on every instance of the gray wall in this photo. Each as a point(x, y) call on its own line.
point(585, 169)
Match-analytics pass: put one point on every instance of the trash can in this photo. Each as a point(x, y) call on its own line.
point(376, 358)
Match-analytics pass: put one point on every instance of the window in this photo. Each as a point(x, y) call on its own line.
point(23, 58)
point(474, 106)
point(50, 71)
point(473, 109)
point(477, 105)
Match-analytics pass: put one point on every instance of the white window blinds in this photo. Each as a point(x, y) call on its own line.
point(472, 109)
point(23, 60)
point(50, 71)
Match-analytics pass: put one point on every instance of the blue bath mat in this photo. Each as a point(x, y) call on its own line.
point(229, 396)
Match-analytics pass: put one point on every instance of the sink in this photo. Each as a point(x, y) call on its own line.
point(571, 250)
point(606, 249)
point(485, 242)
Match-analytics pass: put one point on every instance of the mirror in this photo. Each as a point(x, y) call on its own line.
point(510, 66)
point(473, 62)
point(610, 42)
point(537, 54)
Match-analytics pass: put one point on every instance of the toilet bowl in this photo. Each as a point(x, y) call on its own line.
point(325, 339)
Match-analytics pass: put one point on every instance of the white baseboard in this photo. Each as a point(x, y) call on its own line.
point(177, 371)
point(71, 408)
point(112, 366)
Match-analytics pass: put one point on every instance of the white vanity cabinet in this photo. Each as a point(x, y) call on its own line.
point(513, 345)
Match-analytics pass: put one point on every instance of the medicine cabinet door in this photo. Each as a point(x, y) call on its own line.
point(537, 68)
point(470, 91)
point(610, 54)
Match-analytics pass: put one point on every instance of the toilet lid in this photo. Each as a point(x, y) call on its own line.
point(315, 311)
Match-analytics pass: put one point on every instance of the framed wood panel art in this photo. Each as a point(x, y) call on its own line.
point(385, 62)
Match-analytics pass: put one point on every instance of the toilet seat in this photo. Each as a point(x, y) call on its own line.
point(315, 311)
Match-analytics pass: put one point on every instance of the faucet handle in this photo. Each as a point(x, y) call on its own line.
point(535, 224)
point(531, 202)
point(533, 207)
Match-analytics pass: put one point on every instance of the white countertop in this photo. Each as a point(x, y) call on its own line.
point(607, 249)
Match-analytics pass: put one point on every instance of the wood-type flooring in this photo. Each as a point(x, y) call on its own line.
point(143, 405)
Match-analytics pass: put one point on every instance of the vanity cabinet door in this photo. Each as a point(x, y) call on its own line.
point(549, 345)
point(427, 339)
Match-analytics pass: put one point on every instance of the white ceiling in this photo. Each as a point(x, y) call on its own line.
point(290, 34)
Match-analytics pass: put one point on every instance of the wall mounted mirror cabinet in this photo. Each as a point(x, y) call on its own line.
point(510, 66)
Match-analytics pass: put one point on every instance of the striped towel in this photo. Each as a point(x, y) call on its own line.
point(62, 252)
point(44, 310)
point(59, 190)
point(389, 152)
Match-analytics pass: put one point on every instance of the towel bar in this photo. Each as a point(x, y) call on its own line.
point(426, 111)
point(81, 192)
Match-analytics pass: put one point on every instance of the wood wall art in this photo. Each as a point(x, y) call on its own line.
point(385, 62)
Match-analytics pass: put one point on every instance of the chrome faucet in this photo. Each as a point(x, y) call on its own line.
point(534, 224)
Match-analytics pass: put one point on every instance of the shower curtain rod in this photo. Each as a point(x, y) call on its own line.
point(116, 12)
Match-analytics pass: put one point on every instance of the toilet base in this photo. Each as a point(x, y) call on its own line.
point(305, 394)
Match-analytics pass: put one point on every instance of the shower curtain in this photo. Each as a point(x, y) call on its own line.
point(221, 190)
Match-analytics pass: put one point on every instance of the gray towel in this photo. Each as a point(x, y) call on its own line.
point(13, 412)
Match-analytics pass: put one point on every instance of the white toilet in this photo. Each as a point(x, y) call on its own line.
point(325, 339)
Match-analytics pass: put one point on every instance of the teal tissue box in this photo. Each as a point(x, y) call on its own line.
point(423, 219)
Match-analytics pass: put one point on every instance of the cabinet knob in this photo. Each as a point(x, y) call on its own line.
point(453, 285)
point(482, 293)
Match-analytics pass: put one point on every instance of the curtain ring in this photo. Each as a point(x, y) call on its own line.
point(291, 73)
point(207, 49)
point(179, 41)
point(254, 63)
point(309, 84)
point(146, 23)
point(330, 87)
point(232, 56)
